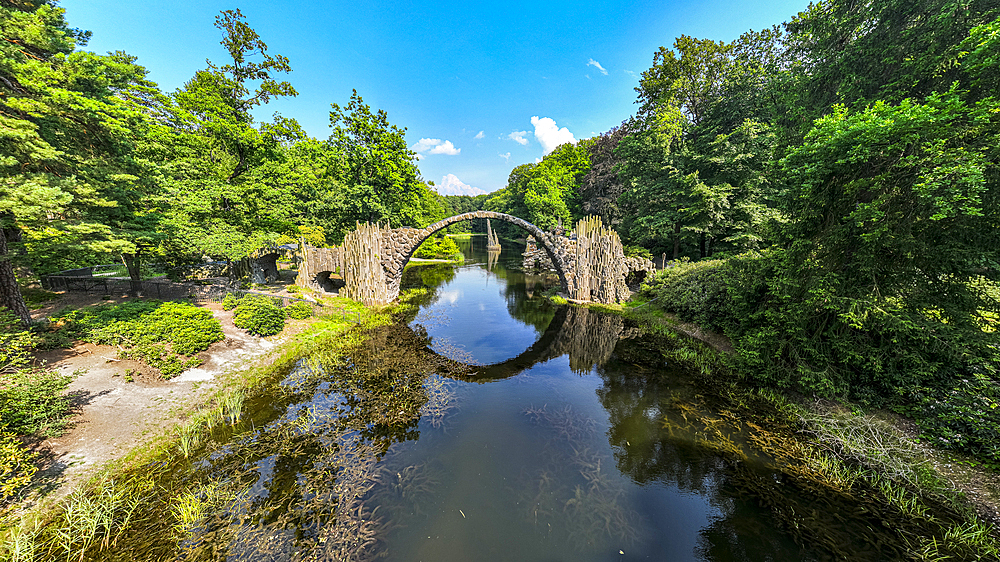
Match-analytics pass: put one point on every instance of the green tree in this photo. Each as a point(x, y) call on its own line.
point(378, 173)
point(547, 193)
point(690, 78)
point(218, 207)
point(895, 222)
point(856, 53)
point(67, 135)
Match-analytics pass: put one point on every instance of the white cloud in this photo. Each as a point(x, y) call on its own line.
point(451, 185)
point(537, 160)
point(549, 134)
point(593, 62)
point(434, 146)
point(479, 135)
point(446, 148)
point(504, 156)
point(632, 74)
point(518, 137)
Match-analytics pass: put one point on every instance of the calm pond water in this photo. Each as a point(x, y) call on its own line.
point(561, 441)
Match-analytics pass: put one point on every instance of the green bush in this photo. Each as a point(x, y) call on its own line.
point(164, 335)
point(259, 315)
point(298, 310)
point(31, 399)
point(637, 252)
point(438, 247)
point(697, 291)
point(964, 417)
point(17, 465)
point(36, 298)
point(230, 301)
point(32, 402)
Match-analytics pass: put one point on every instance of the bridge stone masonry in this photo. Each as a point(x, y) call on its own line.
point(590, 264)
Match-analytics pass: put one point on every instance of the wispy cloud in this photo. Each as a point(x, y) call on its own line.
point(451, 185)
point(549, 134)
point(593, 62)
point(518, 137)
point(504, 156)
point(434, 146)
point(632, 74)
point(479, 136)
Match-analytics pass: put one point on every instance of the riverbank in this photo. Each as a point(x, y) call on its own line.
point(943, 503)
point(125, 424)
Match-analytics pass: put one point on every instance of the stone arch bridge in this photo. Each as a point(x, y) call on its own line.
point(590, 263)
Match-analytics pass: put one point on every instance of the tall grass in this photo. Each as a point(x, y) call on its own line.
point(94, 519)
point(232, 405)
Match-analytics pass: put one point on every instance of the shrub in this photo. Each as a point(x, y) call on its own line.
point(230, 301)
point(31, 399)
point(17, 465)
point(637, 252)
point(438, 247)
point(697, 291)
point(259, 315)
point(164, 335)
point(32, 402)
point(964, 417)
point(36, 298)
point(298, 310)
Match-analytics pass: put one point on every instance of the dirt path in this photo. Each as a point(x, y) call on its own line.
point(120, 403)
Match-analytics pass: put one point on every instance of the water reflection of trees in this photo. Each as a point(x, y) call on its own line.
point(654, 442)
point(304, 477)
point(675, 428)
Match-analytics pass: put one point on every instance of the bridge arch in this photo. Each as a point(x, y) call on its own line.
point(407, 240)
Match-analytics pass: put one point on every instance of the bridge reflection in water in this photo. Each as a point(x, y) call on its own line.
point(588, 338)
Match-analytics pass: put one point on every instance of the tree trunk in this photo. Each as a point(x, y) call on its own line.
point(677, 240)
point(702, 246)
point(133, 263)
point(10, 293)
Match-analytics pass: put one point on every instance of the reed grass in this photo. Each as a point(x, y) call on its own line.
point(95, 518)
point(189, 436)
point(19, 543)
point(232, 405)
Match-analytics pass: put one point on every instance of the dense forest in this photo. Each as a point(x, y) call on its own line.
point(98, 163)
point(829, 187)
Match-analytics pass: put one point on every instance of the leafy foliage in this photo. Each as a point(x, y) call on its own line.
point(259, 315)
point(299, 310)
point(31, 400)
point(438, 246)
point(965, 417)
point(164, 335)
point(547, 193)
point(17, 465)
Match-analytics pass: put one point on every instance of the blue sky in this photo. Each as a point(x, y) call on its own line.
point(488, 86)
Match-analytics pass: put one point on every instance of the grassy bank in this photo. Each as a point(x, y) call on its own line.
point(126, 494)
point(837, 452)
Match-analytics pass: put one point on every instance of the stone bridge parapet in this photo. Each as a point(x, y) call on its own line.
point(395, 246)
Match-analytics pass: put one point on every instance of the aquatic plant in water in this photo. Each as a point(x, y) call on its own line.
point(574, 494)
point(440, 401)
point(232, 405)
